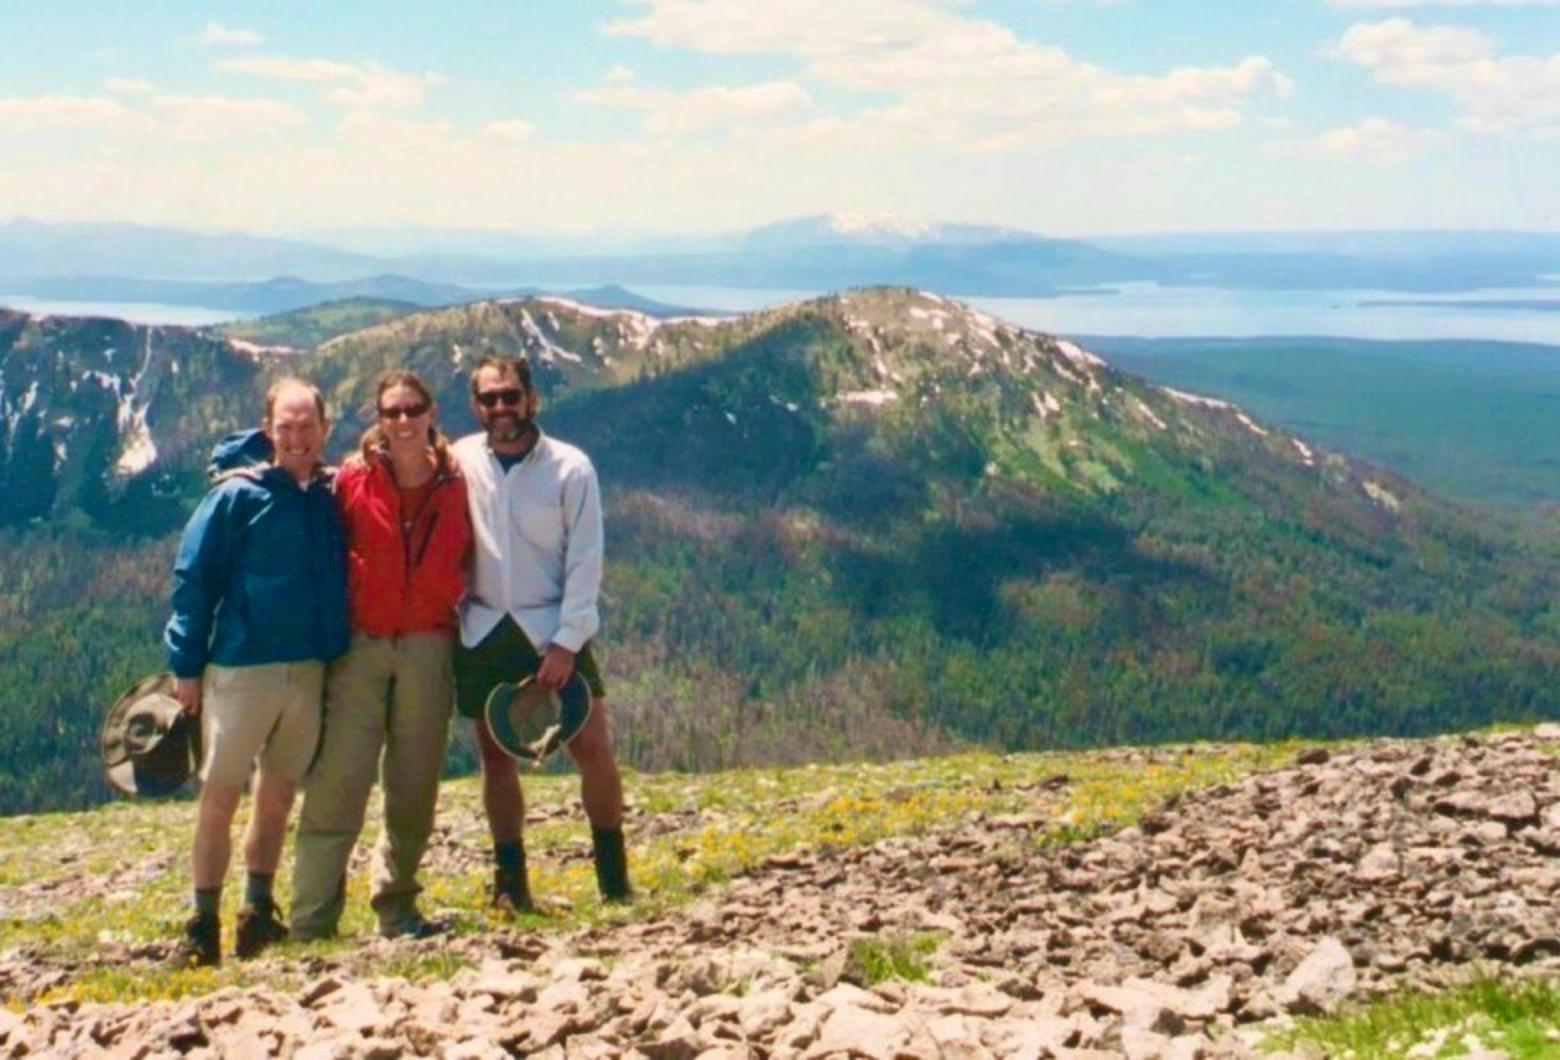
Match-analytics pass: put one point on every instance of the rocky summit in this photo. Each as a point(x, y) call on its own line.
point(1347, 875)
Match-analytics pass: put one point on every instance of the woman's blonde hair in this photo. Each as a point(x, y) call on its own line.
point(374, 442)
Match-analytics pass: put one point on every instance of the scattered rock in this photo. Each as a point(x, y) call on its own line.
point(1355, 872)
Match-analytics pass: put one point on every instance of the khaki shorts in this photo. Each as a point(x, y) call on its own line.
point(270, 712)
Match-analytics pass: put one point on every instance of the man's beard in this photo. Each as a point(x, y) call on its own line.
point(506, 428)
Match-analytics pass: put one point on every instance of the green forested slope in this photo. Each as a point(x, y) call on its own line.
point(880, 524)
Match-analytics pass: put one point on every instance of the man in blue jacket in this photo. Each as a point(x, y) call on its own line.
point(259, 606)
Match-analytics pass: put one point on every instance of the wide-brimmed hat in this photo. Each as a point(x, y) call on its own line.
point(149, 745)
point(530, 722)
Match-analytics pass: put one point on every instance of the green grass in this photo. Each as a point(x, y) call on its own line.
point(878, 959)
point(1522, 1018)
point(694, 833)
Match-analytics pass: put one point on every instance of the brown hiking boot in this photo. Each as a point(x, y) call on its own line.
point(201, 945)
point(258, 927)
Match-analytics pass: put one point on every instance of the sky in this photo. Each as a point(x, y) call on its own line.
point(1064, 117)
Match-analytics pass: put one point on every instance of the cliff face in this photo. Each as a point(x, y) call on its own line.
point(101, 416)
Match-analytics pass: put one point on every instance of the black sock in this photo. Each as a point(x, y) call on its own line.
point(509, 856)
point(208, 900)
point(257, 889)
point(611, 863)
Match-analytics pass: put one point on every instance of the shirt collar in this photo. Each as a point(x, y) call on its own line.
point(529, 458)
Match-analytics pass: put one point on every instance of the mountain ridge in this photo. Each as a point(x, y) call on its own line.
point(969, 531)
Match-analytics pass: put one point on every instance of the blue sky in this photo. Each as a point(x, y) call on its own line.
point(1069, 117)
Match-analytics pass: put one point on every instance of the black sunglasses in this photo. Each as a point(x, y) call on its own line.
point(396, 412)
point(490, 399)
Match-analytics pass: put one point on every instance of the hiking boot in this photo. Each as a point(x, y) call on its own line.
point(413, 926)
point(258, 927)
point(201, 945)
point(611, 866)
point(512, 894)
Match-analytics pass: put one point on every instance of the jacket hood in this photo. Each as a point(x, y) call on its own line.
point(239, 450)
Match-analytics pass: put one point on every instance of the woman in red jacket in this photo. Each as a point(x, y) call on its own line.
point(388, 701)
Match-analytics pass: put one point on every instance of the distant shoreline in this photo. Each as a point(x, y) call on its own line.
point(1527, 305)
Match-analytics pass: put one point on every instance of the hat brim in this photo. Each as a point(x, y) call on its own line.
point(162, 769)
point(574, 705)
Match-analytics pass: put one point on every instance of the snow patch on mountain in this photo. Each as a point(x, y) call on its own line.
point(869, 397)
point(1147, 413)
point(139, 449)
point(1196, 399)
point(549, 349)
point(1381, 495)
point(1078, 355)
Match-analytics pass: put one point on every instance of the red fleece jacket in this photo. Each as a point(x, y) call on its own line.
point(399, 582)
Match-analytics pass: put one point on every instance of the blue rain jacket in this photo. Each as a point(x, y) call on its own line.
point(261, 571)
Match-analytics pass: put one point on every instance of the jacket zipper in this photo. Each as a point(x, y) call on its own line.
point(429, 518)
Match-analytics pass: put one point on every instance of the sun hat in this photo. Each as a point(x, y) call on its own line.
point(530, 722)
point(148, 744)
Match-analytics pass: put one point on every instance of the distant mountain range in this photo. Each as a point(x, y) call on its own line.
point(288, 293)
point(118, 262)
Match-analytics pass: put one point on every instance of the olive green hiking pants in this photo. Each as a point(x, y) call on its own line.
point(387, 715)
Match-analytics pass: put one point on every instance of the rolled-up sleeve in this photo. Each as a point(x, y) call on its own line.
point(578, 618)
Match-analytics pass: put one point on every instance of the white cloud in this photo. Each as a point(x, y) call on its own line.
point(57, 113)
point(959, 79)
point(353, 85)
point(1375, 141)
point(217, 117)
point(129, 86)
point(1496, 94)
point(218, 35)
point(619, 74)
point(155, 122)
point(514, 130)
point(667, 112)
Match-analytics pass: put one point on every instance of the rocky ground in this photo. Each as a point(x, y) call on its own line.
point(1348, 875)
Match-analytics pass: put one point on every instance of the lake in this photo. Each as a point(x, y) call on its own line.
point(1525, 314)
point(189, 316)
point(1151, 311)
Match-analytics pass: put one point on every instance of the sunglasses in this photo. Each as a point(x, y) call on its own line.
point(490, 399)
point(397, 412)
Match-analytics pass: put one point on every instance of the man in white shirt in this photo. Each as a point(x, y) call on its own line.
point(531, 607)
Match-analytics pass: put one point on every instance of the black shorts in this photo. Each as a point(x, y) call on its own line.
point(507, 654)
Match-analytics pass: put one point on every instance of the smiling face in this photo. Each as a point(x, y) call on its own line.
point(405, 415)
point(504, 407)
point(297, 431)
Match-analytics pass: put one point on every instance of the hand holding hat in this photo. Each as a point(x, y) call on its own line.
point(150, 745)
point(530, 722)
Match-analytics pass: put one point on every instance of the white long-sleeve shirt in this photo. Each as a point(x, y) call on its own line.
point(538, 543)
